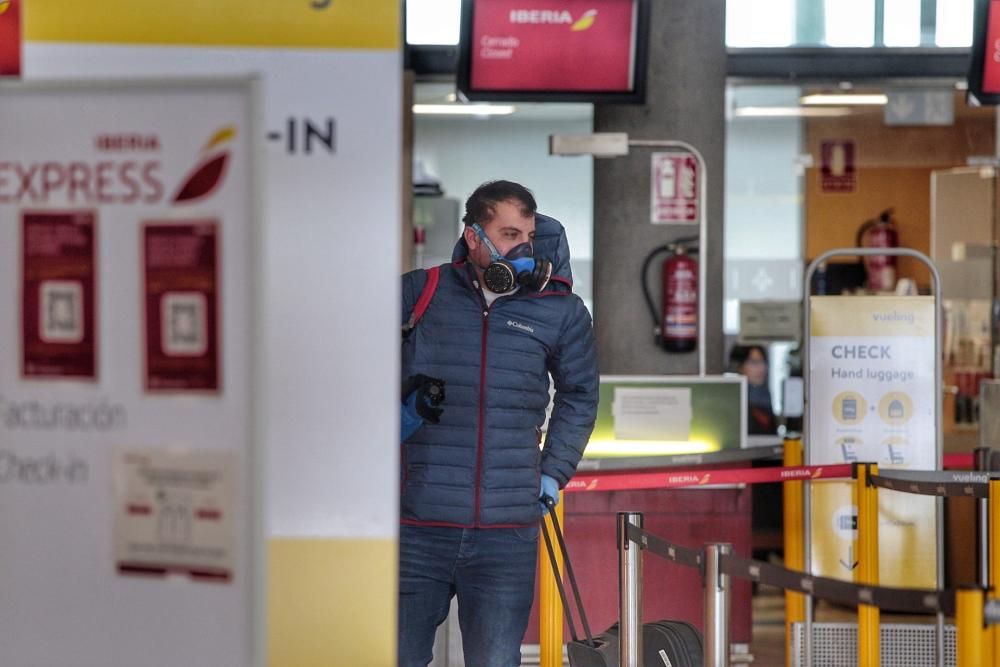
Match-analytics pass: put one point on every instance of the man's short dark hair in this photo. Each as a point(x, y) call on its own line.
point(481, 205)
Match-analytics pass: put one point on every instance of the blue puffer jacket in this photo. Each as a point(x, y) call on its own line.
point(481, 466)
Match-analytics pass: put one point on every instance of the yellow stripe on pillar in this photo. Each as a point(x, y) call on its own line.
point(351, 24)
point(332, 602)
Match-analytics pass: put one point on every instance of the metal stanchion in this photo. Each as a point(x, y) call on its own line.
point(550, 611)
point(629, 592)
point(795, 603)
point(969, 630)
point(867, 571)
point(716, 607)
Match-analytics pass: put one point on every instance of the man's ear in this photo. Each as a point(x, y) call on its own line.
point(471, 238)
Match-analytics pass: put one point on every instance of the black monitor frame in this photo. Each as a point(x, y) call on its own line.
point(635, 96)
point(978, 55)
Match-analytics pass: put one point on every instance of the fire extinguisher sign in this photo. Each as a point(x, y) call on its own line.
point(674, 189)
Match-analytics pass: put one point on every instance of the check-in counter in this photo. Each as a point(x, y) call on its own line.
point(689, 517)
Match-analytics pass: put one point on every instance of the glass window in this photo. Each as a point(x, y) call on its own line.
point(902, 23)
point(433, 21)
point(849, 22)
point(760, 23)
point(954, 23)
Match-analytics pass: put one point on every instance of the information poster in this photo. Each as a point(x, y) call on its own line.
point(174, 512)
point(873, 399)
point(181, 295)
point(674, 188)
point(58, 299)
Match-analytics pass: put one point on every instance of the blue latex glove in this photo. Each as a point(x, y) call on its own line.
point(550, 488)
point(409, 420)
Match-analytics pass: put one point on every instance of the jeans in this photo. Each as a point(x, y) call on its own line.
point(491, 570)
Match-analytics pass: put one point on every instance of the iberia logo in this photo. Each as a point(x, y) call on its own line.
point(4, 6)
point(585, 21)
point(208, 175)
point(554, 17)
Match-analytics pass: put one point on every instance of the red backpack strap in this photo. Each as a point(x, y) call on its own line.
point(424, 300)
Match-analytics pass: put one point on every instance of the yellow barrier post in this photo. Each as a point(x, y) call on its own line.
point(550, 611)
point(969, 630)
point(992, 655)
point(867, 571)
point(793, 523)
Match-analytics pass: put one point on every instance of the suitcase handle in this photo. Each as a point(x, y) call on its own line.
point(550, 503)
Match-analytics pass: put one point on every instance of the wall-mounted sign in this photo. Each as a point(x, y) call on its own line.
point(674, 188)
point(181, 299)
point(838, 174)
point(770, 320)
point(174, 512)
point(58, 294)
point(872, 398)
point(520, 46)
point(10, 37)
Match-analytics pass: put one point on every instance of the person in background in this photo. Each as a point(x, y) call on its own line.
point(502, 319)
point(751, 361)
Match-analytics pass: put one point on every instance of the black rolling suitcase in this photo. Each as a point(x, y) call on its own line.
point(664, 643)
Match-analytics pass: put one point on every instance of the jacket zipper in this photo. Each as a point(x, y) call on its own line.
point(482, 403)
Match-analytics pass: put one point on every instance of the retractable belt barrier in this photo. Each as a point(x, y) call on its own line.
point(900, 600)
point(932, 483)
point(677, 479)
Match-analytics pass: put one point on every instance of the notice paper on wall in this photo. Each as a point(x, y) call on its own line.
point(652, 413)
point(58, 294)
point(182, 291)
point(174, 512)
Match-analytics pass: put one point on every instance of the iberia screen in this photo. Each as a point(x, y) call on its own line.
point(10, 37)
point(991, 53)
point(553, 45)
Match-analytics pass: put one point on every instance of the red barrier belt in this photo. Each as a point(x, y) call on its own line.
point(676, 479)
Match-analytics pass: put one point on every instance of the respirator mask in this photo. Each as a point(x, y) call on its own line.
point(517, 268)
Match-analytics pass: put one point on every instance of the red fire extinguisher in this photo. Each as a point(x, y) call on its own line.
point(879, 233)
point(675, 323)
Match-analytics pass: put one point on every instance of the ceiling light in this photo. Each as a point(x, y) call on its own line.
point(464, 109)
point(789, 112)
point(872, 100)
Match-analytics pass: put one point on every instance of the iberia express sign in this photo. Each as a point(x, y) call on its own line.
point(553, 45)
point(10, 37)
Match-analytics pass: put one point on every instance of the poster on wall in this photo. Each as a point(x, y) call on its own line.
point(674, 188)
point(58, 294)
point(174, 512)
point(10, 38)
point(180, 264)
point(873, 399)
point(838, 173)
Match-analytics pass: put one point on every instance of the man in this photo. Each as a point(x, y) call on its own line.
point(472, 476)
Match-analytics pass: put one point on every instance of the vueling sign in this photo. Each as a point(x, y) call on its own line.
point(554, 17)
